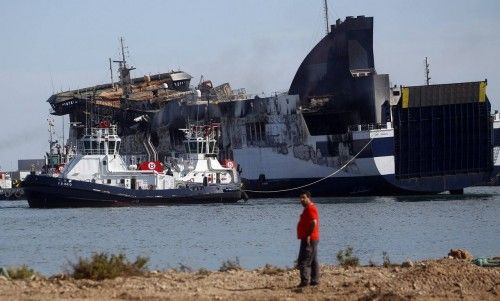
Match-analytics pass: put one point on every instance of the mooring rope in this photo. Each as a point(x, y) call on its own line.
point(317, 181)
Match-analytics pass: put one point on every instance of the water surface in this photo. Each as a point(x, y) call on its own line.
point(259, 231)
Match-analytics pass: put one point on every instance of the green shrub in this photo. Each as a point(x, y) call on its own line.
point(386, 260)
point(271, 270)
point(346, 258)
point(230, 265)
point(23, 272)
point(103, 266)
point(204, 272)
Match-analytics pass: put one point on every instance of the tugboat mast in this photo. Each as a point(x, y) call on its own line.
point(52, 132)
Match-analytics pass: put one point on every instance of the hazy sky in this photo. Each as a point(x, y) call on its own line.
point(49, 46)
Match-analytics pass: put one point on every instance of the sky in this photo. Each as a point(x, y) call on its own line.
point(51, 46)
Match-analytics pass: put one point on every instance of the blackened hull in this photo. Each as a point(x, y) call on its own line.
point(364, 186)
point(48, 192)
point(330, 187)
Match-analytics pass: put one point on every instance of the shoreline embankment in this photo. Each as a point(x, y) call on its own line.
point(439, 279)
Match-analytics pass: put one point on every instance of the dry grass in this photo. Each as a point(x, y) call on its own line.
point(346, 258)
point(230, 265)
point(22, 273)
point(103, 266)
point(271, 270)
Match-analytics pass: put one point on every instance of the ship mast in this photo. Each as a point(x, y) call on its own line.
point(326, 17)
point(124, 70)
point(427, 72)
point(111, 72)
point(52, 132)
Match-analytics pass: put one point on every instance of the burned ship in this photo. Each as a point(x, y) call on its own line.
point(341, 129)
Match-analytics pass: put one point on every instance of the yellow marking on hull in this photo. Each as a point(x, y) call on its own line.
point(406, 97)
point(482, 92)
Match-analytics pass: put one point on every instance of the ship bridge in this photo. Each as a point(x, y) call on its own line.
point(100, 141)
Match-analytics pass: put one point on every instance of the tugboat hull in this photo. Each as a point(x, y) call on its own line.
point(49, 192)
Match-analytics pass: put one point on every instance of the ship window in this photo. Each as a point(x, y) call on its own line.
point(94, 147)
point(117, 146)
point(111, 147)
point(86, 147)
point(192, 146)
point(176, 137)
point(109, 181)
point(101, 148)
point(104, 162)
point(122, 181)
point(256, 132)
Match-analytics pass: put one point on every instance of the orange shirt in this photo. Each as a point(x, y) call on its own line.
point(309, 214)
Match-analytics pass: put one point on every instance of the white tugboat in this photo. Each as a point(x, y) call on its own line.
point(200, 164)
point(8, 189)
point(97, 176)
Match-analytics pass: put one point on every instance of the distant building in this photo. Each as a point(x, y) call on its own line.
point(28, 164)
point(25, 166)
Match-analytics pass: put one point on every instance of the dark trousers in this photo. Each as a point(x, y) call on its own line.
point(308, 262)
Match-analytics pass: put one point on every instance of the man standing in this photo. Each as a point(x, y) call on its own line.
point(308, 233)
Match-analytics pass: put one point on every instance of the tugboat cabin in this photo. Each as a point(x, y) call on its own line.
point(98, 160)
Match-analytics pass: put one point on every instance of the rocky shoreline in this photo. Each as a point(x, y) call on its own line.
point(443, 279)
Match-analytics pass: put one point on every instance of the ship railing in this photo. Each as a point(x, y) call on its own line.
point(244, 96)
point(81, 149)
point(104, 131)
point(370, 127)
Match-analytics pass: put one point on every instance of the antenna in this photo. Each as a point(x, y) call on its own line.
point(427, 72)
point(52, 133)
point(125, 80)
point(123, 52)
point(326, 18)
point(111, 72)
point(63, 136)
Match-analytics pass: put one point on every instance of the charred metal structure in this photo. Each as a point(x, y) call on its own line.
point(340, 130)
point(337, 81)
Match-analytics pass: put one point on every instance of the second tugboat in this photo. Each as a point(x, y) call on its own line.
point(97, 176)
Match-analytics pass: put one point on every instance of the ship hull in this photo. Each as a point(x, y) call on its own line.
point(371, 173)
point(363, 186)
point(48, 192)
point(321, 187)
point(11, 194)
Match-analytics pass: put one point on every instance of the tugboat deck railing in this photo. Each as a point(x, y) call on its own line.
point(370, 127)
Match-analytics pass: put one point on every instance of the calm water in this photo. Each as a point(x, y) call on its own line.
point(258, 232)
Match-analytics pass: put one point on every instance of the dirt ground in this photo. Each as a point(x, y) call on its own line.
point(445, 279)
